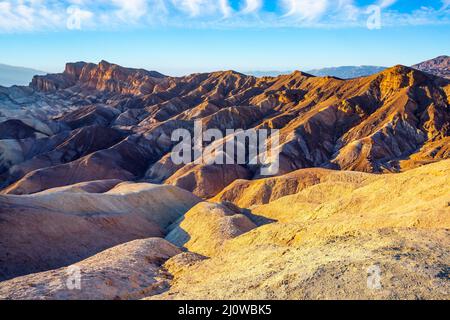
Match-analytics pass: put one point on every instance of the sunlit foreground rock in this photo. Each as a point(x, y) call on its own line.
point(207, 227)
point(57, 228)
point(128, 271)
point(312, 234)
point(332, 233)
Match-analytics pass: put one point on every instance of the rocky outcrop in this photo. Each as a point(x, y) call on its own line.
point(125, 272)
point(16, 129)
point(55, 229)
point(77, 144)
point(248, 193)
point(206, 181)
point(207, 227)
point(369, 124)
point(103, 77)
point(328, 238)
point(99, 186)
point(126, 161)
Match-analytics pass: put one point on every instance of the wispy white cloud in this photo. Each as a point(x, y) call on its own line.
point(29, 15)
point(225, 8)
point(306, 9)
point(386, 3)
point(347, 10)
point(311, 11)
point(252, 6)
point(35, 15)
point(197, 8)
point(190, 6)
point(418, 17)
point(130, 9)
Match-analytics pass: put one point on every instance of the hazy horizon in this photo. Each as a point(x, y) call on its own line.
point(250, 72)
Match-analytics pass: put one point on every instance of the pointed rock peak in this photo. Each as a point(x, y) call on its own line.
point(228, 73)
point(226, 76)
point(79, 64)
point(105, 65)
point(403, 71)
point(233, 72)
point(401, 76)
point(104, 62)
point(298, 73)
point(439, 59)
point(295, 76)
point(75, 68)
point(400, 69)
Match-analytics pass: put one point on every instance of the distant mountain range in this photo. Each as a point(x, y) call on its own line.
point(346, 72)
point(261, 73)
point(10, 75)
point(439, 66)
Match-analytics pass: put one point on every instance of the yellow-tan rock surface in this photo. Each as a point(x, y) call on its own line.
point(327, 239)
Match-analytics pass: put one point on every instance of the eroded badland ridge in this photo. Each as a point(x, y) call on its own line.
point(87, 180)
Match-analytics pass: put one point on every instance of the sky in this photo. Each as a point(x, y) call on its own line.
point(184, 36)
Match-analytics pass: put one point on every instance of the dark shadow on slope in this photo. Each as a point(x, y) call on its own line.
point(258, 220)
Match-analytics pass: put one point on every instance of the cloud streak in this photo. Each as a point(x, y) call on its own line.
point(306, 9)
point(130, 9)
point(41, 15)
point(252, 6)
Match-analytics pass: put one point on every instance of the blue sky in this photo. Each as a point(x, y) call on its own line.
point(183, 36)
